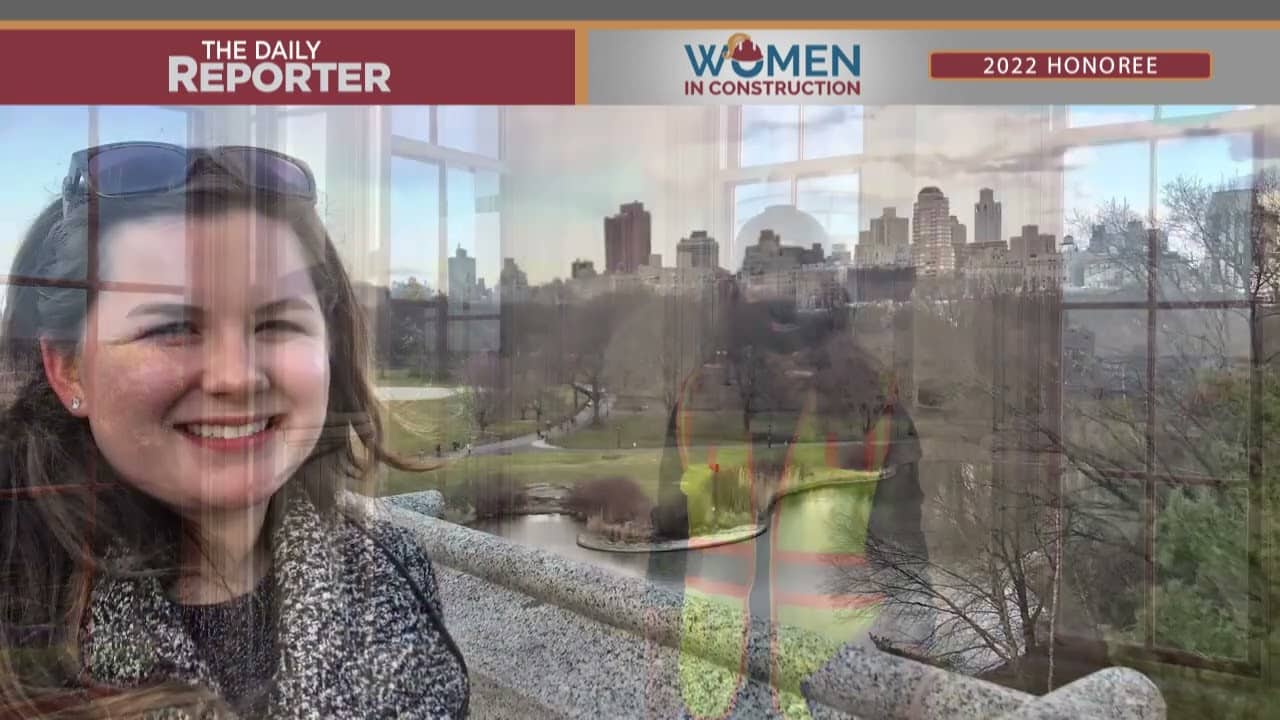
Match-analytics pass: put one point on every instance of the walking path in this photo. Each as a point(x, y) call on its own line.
point(524, 442)
point(414, 392)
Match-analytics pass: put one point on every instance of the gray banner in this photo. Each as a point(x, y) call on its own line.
point(649, 10)
point(653, 67)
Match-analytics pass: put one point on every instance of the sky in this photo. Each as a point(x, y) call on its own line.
point(35, 143)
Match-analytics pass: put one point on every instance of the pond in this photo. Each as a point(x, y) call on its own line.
point(803, 571)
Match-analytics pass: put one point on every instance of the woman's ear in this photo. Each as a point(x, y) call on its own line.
point(63, 371)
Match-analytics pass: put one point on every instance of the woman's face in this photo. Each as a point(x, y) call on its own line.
point(207, 389)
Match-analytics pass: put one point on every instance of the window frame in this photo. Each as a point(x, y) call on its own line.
point(733, 174)
point(1252, 122)
point(445, 159)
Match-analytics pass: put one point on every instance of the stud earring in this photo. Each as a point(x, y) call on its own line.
point(75, 403)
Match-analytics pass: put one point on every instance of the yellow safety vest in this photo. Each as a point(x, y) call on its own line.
point(795, 540)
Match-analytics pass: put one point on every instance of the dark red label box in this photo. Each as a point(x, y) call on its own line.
point(293, 67)
point(1071, 65)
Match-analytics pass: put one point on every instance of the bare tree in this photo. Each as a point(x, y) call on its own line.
point(756, 339)
point(657, 344)
point(486, 393)
point(975, 613)
point(593, 326)
point(1066, 477)
point(981, 602)
point(684, 345)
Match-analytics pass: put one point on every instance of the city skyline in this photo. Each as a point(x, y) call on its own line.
point(425, 226)
point(1030, 254)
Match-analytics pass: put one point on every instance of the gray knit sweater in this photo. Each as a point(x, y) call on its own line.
point(236, 640)
point(352, 638)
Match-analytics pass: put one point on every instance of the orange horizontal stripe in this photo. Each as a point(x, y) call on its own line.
point(779, 23)
point(746, 548)
point(738, 549)
point(799, 557)
point(718, 587)
point(818, 601)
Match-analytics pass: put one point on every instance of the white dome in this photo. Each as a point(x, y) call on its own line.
point(792, 225)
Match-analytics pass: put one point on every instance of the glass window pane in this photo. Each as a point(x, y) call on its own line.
point(304, 137)
point(35, 145)
point(1106, 200)
point(1104, 389)
point(472, 129)
point(121, 124)
point(1218, 162)
point(1206, 206)
point(411, 121)
point(1104, 557)
point(1197, 111)
point(1104, 444)
point(1202, 392)
point(751, 199)
point(415, 226)
point(1100, 175)
point(1202, 571)
point(770, 134)
point(488, 226)
point(1093, 115)
point(833, 200)
point(832, 130)
point(472, 223)
point(474, 262)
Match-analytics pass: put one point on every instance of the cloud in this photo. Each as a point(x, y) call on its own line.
point(944, 165)
point(815, 116)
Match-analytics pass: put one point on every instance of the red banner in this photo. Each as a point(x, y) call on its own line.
point(1069, 65)
point(287, 67)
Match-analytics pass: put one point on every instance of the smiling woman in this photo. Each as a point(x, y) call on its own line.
point(177, 442)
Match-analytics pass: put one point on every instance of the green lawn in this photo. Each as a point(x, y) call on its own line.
point(405, 377)
point(565, 467)
point(414, 427)
point(568, 467)
point(649, 429)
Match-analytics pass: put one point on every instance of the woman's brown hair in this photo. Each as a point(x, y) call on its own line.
point(62, 509)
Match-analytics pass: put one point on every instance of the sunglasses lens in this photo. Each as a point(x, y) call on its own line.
point(140, 169)
point(270, 172)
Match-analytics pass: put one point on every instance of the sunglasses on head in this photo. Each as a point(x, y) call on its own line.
point(128, 169)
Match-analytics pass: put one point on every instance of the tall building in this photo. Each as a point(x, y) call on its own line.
point(1229, 228)
point(958, 232)
point(769, 255)
point(462, 277)
point(840, 254)
point(1117, 258)
point(986, 218)
point(787, 221)
point(582, 269)
point(931, 250)
point(1037, 254)
point(698, 251)
point(627, 239)
point(986, 266)
point(512, 276)
point(886, 244)
point(1032, 243)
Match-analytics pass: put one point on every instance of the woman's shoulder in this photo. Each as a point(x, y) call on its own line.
point(357, 528)
point(398, 541)
point(366, 530)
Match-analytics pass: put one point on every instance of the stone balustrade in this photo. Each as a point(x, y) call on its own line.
point(546, 636)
